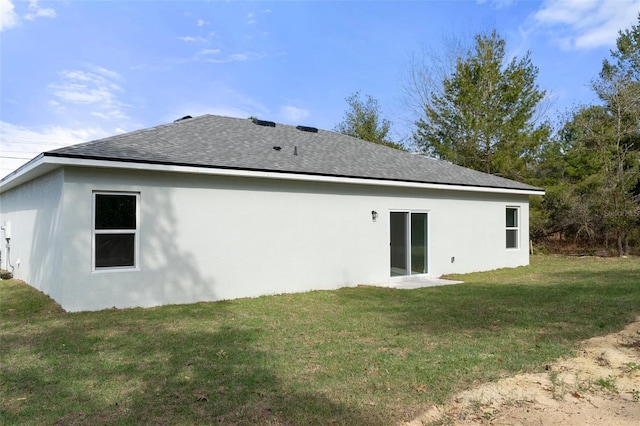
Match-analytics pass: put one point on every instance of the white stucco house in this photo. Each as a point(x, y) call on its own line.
point(212, 208)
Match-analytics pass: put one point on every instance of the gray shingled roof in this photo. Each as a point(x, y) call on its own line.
point(233, 143)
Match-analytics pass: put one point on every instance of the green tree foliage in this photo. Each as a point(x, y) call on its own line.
point(618, 87)
point(363, 121)
point(592, 169)
point(569, 170)
point(485, 116)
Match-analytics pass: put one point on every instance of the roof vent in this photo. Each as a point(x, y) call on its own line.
point(186, 117)
point(307, 129)
point(263, 123)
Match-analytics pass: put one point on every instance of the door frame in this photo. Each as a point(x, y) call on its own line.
point(427, 247)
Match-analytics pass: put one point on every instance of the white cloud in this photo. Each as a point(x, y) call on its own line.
point(498, 4)
point(586, 24)
point(96, 87)
point(201, 22)
point(80, 87)
point(293, 114)
point(251, 18)
point(238, 57)
point(235, 57)
point(104, 72)
point(204, 52)
point(20, 144)
point(113, 114)
point(190, 39)
point(8, 16)
point(35, 11)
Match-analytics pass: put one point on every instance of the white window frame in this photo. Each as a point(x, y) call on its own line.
point(135, 232)
point(515, 228)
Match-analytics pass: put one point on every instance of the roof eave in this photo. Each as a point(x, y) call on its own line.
point(47, 162)
point(36, 167)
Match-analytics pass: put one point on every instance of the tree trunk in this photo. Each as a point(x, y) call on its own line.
point(620, 246)
point(487, 159)
point(626, 245)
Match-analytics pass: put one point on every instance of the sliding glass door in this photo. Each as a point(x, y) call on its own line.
point(408, 243)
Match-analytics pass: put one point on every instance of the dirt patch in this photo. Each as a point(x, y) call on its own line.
point(599, 386)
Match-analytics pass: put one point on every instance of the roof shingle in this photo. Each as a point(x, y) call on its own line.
point(233, 143)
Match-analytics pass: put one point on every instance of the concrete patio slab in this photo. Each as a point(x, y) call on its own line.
point(413, 283)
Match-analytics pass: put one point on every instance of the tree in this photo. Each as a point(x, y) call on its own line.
point(592, 168)
point(485, 116)
point(569, 168)
point(427, 68)
point(363, 121)
point(618, 87)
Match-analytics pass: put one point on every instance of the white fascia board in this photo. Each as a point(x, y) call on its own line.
point(38, 166)
point(63, 161)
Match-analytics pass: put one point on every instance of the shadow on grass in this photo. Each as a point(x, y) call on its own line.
point(130, 367)
point(353, 356)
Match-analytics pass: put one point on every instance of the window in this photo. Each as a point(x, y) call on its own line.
point(115, 230)
point(512, 228)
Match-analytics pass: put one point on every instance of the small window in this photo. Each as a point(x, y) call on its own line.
point(115, 230)
point(512, 228)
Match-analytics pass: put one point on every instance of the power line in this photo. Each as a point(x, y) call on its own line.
point(20, 152)
point(31, 142)
point(15, 158)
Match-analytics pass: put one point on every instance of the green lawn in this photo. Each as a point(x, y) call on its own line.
point(352, 356)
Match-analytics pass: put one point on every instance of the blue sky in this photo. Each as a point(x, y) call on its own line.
point(74, 71)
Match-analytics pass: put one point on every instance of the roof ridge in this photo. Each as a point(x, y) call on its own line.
point(125, 134)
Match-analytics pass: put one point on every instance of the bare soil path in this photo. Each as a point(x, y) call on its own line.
point(599, 386)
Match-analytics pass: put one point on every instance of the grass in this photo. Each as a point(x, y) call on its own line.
point(608, 383)
point(361, 355)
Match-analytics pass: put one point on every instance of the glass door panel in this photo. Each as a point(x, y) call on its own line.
point(419, 243)
point(398, 226)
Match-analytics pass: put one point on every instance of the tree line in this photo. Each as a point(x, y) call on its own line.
point(479, 109)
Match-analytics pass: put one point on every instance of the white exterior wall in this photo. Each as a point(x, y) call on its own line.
point(34, 211)
point(214, 237)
